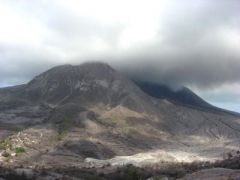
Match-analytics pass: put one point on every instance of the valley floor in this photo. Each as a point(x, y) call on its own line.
point(47, 154)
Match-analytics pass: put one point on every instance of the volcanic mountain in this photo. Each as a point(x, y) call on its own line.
point(76, 115)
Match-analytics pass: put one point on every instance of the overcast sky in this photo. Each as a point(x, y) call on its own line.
point(195, 43)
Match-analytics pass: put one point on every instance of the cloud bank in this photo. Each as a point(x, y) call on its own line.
point(193, 43)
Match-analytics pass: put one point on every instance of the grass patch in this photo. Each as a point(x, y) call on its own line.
point(19, 150)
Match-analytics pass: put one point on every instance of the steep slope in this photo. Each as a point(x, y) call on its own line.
point(69, 114)
point(182, 95)
point(79, 87)
point(88, 84)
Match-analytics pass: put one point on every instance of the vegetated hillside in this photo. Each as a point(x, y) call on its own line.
point(92, 116)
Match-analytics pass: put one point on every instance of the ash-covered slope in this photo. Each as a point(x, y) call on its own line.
point(182, 96)
point(70, 113)
point(87, 82)
point(86, 85)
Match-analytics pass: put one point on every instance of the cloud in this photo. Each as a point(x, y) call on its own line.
point(193, 43)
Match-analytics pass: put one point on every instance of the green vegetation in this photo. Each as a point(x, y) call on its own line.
point(2, 145)
point(17, 129)
point(5, 144)
point(19, 150)
point(61, 134)
point(62, 128)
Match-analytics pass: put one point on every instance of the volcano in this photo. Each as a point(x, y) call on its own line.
point(92, 114)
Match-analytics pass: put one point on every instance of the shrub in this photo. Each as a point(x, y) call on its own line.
point(61, 134)
point(4, 144)
point(6, 154)
point(17, 129)
point(19, 150)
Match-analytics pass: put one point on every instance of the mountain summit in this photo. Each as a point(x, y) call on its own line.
point(88, 84)
point(63, 82)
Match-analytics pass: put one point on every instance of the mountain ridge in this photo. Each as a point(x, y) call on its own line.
point(183, 96)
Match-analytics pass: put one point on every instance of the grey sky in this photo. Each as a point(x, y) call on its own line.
point(189, 42)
